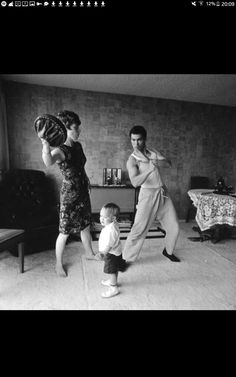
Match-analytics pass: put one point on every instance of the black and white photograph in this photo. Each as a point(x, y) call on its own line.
point(159, 236)
point(117, 121)
point(146, 92)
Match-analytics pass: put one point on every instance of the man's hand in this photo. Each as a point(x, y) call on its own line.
point(155, 161)
point(161, 163)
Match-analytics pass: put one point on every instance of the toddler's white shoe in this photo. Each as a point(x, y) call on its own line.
point(112, 291)
point(107, 283)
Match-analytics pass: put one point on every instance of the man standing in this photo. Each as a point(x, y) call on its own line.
point(154, 201)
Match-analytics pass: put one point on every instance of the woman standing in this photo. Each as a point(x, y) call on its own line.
point(75, 206)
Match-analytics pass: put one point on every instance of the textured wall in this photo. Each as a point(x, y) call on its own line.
point(199, 139)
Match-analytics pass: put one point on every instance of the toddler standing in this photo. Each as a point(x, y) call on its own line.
point(110, 248)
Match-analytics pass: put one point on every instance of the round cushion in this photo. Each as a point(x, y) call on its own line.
point(50, 128)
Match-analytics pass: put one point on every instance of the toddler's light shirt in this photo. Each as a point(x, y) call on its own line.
point(110, 237)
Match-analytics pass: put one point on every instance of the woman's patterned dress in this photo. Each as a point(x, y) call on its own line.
point(75, 206)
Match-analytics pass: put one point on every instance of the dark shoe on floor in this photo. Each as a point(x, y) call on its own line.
point(196, 229)
point(195, 239)
point(172, 257)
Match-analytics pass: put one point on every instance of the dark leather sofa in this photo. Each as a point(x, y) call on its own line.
point(27, 202)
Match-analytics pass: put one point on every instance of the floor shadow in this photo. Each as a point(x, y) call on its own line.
point(159, 258)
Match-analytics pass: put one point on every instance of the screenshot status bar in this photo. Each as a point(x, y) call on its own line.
point(58, 4)
point(105, 4)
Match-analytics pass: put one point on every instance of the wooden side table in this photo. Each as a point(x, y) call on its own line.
point(10, 238)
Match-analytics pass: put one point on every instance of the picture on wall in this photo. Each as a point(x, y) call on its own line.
point(112, 176)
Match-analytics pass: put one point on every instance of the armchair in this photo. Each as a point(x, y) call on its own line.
point(26, 202)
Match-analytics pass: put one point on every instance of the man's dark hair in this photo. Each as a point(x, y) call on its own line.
point(138, 130)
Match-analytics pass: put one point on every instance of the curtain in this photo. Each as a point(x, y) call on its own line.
point(4, 146)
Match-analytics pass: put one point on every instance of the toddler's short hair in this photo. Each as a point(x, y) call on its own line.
point(113, 209)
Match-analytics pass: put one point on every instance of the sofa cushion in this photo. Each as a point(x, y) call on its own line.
point(7, 234)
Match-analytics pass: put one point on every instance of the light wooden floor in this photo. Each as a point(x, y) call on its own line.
point(204, 280)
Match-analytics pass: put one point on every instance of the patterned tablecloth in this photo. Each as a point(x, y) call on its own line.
point(212, 208)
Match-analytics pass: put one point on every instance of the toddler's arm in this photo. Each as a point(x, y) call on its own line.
point(107, 242)
point(105, 250)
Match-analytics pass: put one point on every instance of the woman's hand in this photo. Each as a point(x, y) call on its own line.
point(44, 141)
point(46, 145)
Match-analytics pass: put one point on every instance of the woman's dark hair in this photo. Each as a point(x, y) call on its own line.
point(138, 130)
point(68, 118)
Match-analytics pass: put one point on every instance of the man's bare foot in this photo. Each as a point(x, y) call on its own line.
point(60, 271)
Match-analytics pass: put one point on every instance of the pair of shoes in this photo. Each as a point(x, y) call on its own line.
point(172, 257)
point(112, 291)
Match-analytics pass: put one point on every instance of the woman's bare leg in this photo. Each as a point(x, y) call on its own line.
point(60, 247)
point(86, 239)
